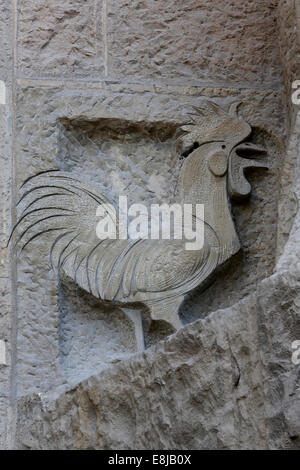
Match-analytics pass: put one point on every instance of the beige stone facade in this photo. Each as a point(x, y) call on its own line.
point(98, 88)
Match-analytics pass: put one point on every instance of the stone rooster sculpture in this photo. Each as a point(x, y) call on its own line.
point(156, 273)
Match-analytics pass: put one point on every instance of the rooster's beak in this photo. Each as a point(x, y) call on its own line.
point(247, 150)
point(242, 158)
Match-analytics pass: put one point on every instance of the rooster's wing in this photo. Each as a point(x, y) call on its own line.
point(59, 204)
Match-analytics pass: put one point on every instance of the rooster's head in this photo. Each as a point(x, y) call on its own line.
point(232, 154)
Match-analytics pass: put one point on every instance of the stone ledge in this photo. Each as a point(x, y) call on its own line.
point(225, 382)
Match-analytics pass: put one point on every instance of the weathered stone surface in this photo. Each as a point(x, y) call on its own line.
point(216, 384)
point(3, 422)
point(5, 156)
point(289, 41)
point(6, 37)
point(289, 217)
point(60, 38)
point(220, 42)
point(227, 380)
point(6, 53)
point(75, 129)
point(4, 297)
point(289, 36)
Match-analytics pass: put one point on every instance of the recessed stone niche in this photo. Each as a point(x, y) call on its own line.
point(120, 157)
point(91, 333)
point(140, 160)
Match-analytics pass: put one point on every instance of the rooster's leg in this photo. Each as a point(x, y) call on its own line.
point(167, 310)
point(136, 318)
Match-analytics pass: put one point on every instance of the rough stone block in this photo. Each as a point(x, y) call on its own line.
point(5, 300)
point(3, 423)
point(213, 385)
point(60, 38)
point(220, 42)
point(5, 39)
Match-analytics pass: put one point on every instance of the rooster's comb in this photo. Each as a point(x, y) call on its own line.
point(211, 123)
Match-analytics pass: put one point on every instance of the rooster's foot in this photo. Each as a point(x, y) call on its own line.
point(167, 311)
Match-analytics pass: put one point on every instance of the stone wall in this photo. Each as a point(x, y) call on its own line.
point(97, 88)
point(7, 327)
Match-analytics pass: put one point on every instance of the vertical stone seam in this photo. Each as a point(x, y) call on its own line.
point(11, 434)
point(4, 340)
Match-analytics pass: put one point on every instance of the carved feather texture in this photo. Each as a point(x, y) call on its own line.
point(54, 203)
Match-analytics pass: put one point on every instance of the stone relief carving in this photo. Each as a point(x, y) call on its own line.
point(155, 273)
